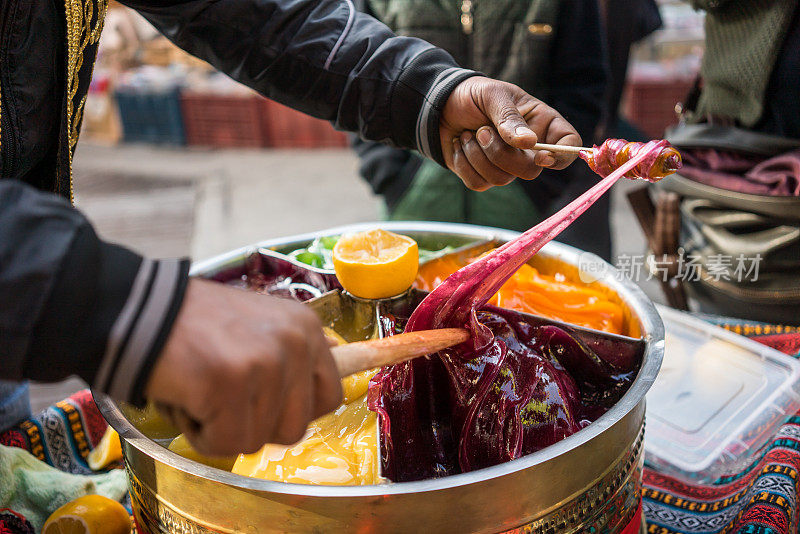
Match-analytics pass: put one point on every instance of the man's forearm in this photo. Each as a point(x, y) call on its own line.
point(73, 304)
point(323, 58)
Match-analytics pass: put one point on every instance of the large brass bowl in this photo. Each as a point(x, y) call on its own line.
point(590, 481)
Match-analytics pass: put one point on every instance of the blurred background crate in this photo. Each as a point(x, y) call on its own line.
point(100, 115)
point(223, 120)
point(650, 104)
point(150, 116)
point(663, 68)
point(287, 128)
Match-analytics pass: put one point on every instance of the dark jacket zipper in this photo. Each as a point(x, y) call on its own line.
point(8, 140)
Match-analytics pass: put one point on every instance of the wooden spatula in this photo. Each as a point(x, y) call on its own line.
point(362, 355)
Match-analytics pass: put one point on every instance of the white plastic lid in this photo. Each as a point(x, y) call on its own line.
point(717, 401)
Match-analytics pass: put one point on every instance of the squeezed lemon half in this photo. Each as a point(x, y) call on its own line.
point(376, 264)
point(109, 450)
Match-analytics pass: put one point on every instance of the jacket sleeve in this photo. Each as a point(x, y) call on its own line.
point(389, 171)
point(321, 57)
point(73, 304)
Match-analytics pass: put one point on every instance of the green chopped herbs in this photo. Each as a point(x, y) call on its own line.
point(320, 253)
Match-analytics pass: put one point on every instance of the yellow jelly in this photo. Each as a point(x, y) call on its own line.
point(339, 449)
point(181, 446)
point(149, 421)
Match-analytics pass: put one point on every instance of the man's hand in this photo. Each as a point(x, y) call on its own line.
point(488, 128)
point(250, 369)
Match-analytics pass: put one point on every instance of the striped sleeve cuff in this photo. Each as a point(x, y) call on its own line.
point(425, 85)
point(106, 318)
point(141, 329)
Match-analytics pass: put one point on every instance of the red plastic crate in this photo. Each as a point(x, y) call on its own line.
point(222, 121)
point(650, 105)
point(288, 128)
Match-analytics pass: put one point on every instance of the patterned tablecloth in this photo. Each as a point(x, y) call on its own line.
point(760, 500)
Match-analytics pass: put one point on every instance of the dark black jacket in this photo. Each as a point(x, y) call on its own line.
point(70, 303)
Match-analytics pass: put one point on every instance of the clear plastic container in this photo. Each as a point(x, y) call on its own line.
point(717, 401)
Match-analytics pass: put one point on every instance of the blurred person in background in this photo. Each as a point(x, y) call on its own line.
point(249, 368)
point(751, 68)
point(551, 48)
point(626, 22)
point(738, 193)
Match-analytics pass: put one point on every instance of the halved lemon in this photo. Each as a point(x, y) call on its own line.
point(376, 264)
point(107, 451)
point(91, 514)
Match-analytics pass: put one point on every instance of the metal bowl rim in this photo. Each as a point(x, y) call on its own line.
point(642, 307)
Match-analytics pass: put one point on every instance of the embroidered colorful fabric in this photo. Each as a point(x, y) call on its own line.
point(761, 500)
point(62, 436)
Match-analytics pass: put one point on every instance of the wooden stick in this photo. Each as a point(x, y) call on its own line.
point(362, 355)
point(562, 149)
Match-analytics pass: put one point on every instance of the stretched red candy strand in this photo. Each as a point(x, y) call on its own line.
point(512, 391)
point(662, 159)
point(455, 300)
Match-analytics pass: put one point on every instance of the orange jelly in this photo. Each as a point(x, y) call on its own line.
point(529, 291)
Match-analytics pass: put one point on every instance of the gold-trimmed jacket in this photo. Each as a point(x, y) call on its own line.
point(319, 56)
point(73, 304)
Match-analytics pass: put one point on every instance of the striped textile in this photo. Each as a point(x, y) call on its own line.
point(61, 435)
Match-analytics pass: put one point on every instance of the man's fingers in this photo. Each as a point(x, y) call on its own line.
point(502, 111)
point(476, 157)
point(298, 406)
point(564, 161)
point(296, 415)
point(266, 411)
point(518, 163)
point(555, 130)
point(448, 147)
point(329, 394)
point(189, 426)
point(544, 158)
point(465, 171)
point(222, 434)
